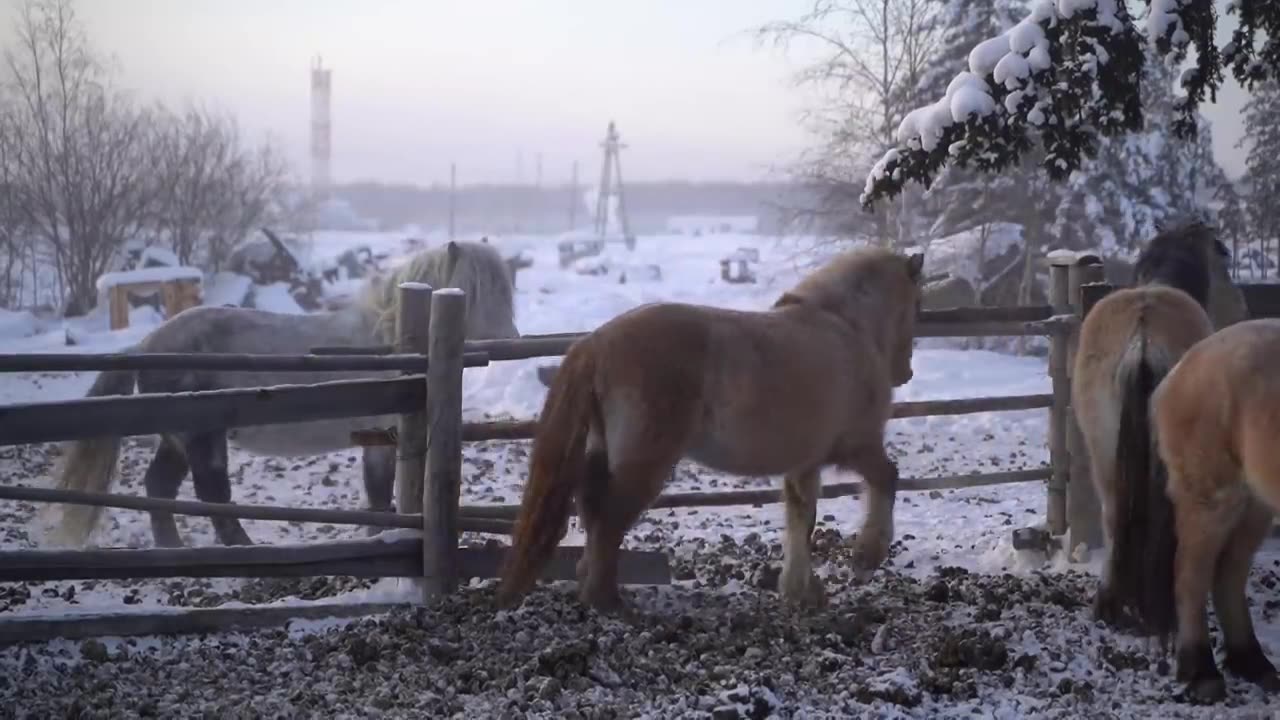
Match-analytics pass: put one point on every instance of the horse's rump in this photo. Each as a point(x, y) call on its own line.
point(1128, 343)
point(1223, 401)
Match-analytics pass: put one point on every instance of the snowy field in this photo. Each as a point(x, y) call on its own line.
point(956, 624)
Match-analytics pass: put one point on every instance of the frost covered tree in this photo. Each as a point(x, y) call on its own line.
point(962, 199)
point(1262, 137)
point(868, 57)
point(1068, 76)
point(1141, 181)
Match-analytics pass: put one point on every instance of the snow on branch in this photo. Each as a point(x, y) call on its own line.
point(1067, 73)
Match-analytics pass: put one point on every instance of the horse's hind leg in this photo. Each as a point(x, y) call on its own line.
point(613, 496)
point(164, 476)
point(378, 467)
point(1203, 524)
point(1244, 654)
point(881, 477)
point(207, 454)
point(798, 582)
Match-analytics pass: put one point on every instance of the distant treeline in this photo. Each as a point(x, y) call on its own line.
point(546, 209)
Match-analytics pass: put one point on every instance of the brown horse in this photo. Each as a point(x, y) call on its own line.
point(1217, 419)
point(786, 391)
point(1128, 342)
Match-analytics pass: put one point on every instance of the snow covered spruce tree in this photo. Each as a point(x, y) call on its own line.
point(963, 199)
point(1141, 181)
point(1262, 138)
point(1067, 76)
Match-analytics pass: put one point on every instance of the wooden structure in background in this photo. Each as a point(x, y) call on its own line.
point(179, 289)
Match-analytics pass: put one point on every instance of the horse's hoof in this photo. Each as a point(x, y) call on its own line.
point(1270, 683)
point(867, 556)
point(1252, 665)
point(605, 602)
point(807, 591)
point(1106, 609)
point(1207, 690)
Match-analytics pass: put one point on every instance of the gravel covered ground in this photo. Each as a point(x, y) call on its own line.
point(954, 644)
point(957, 624)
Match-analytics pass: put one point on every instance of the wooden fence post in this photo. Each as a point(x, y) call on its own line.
point(444, 442)
point(1084, 509)
point(413, 328)
point(1059, 296)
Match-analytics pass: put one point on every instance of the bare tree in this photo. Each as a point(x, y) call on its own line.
point(870, 57)
point(214, 188)
point(77, 154)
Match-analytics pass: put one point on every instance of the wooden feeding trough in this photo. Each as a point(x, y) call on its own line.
point(736, 267)
point(179, 289)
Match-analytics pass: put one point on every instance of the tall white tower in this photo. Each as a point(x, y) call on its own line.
point(321, 82)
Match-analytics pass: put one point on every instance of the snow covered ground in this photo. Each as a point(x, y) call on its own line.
point(979, 628)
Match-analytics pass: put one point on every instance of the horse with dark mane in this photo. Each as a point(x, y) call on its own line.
point(1129, 342)
point(785, 391)
point(90, 465)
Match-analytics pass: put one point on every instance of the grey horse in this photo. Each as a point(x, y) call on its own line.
point(90, 465)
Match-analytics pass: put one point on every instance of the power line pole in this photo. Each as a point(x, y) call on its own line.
point(453, 199)
point(573, 197)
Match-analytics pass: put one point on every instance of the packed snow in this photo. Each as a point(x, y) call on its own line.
point(952, 555)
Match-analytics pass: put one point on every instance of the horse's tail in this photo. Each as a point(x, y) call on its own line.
point(1144, 542)
point(558, 467)
point(89, 466)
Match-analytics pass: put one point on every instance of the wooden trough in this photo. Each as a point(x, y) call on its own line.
point(179, 289)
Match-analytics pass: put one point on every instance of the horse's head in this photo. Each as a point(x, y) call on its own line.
point(874, 289)
point(1192, 258)
point(906, 287)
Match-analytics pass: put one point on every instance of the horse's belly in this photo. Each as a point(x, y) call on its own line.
point(761, 457)
point(310, 438)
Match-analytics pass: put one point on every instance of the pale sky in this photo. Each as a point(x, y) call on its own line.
point(420, 83)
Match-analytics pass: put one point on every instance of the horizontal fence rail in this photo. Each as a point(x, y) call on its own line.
point(952, 322)
point(524, 429)
point(76, 362)
point(770, 496)
point(209, 410)
point(368, 558)
point(369, 518)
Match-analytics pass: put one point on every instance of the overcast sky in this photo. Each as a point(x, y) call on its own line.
point(420, 83)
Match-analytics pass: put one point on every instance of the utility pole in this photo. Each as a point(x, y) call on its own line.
point(573, 197)
point(453, 199)
point(611, 184)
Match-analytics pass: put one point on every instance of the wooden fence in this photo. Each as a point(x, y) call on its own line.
point(431, 354)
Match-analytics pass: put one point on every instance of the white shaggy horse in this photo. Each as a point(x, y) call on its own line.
point(90, 465)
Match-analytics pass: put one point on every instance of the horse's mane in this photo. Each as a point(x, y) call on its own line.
point(1177, 257)
point(476, 268)
point(855, 274)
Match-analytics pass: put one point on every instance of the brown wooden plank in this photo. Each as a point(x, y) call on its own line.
point(193, 621)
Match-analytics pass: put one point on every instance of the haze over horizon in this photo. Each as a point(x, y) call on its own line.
point(491, 86)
